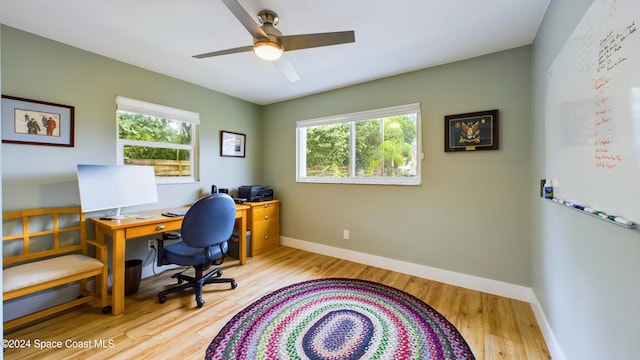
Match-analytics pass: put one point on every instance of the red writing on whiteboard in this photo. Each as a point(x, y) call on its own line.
point(605, 165)
point(600, 82)
point(610, 157)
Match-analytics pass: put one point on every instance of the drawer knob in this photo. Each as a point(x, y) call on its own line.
point(266, 217)
point(266, 205)
point(159, 227)
point(266, 237)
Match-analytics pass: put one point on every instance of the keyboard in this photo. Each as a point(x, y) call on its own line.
point(175, 213)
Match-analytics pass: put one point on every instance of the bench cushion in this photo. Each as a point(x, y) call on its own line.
point(42, 271)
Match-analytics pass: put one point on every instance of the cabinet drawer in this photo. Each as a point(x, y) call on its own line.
point(264, 237)
point(272, 218)
point(265, 212)
point(158, 228)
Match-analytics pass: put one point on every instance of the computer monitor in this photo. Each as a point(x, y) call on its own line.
point(114, 187)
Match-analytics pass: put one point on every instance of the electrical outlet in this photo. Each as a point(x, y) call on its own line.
point(345, 234)
point(151, 245)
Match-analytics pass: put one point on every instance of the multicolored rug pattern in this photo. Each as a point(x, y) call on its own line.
point(338, 318)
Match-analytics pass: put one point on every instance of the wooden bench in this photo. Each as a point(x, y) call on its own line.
point(47, 248)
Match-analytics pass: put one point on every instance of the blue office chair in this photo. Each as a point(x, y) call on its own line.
point(205, 230)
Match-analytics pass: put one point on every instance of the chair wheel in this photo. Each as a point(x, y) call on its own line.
point(162, 299)
point(234, 284)
point(106, 309)
point(199, 302)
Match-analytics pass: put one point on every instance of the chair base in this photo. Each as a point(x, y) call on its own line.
point(197, 282)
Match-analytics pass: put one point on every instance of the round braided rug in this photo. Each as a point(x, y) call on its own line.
point(338, 319)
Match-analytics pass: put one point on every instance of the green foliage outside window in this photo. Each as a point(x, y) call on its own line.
point(143, 128)
point(383, 147)
point(328, 150)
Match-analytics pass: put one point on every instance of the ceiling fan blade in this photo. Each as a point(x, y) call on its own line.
point(287, 68)
point(224, 52)
point(245, 19)
point(306, 41)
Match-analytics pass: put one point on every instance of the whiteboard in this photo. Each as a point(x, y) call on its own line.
point(592, 111)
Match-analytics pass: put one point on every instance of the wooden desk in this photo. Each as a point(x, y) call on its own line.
point(122, 230)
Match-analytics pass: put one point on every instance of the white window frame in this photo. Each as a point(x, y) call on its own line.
point(160, 111)
point(352, 118)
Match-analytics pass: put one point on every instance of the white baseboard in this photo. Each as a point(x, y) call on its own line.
point(477, 283)
point(547, 333)
point(512, 291)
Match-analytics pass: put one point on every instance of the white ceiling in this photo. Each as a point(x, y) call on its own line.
point(392, 37)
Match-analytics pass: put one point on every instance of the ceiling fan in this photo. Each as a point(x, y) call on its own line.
point(270, 44)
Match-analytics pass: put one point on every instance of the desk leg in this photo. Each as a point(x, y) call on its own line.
point(242, 238)
point(117, 286)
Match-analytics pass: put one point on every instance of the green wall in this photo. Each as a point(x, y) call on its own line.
point(39, 176)
point(585, 272)
point(471, 213)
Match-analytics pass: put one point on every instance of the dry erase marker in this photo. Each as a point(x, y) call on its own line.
point(596, 212)
point(620, 220)
point(593, 211)
point(579, 207)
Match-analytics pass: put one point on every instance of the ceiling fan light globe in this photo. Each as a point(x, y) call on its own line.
point(268, 50)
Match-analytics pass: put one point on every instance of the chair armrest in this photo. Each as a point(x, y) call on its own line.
point(160, 247)
point(102, 251)
point(95, 243)
point(170, 236)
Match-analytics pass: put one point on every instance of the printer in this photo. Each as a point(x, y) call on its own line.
point(255, 192)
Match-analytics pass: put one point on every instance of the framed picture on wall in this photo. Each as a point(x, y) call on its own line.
point(34, 122)
point(471, 131)
point(232, 144)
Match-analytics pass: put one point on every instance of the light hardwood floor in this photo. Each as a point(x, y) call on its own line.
point(495, 327)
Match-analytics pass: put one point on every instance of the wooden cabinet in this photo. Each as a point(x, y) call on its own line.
point(264, 223)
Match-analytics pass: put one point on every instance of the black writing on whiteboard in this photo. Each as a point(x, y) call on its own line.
point(611, 52)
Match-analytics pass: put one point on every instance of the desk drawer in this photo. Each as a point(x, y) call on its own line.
point(158, 228)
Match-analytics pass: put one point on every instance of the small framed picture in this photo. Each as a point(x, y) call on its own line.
point(471, 131)
point(34, 122)
point(232, 144)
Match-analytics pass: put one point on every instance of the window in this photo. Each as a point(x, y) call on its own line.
point(371, 147)
point(157, 135)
